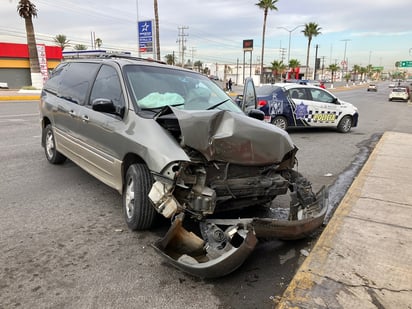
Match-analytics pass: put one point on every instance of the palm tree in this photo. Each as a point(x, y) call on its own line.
point(293, 64)
point(28, 10)
point(156, 13)
point(98, 42)
point(61, 41)
point(170, 59)
point(80, 47)
point(198, 64)
point(333, 68)
point(356, 69)
point(363, 71)
point(311, 30)
point(265, 5)
point(278, 67)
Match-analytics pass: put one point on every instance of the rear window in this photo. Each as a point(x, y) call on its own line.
point(266, 90)
point(399, 90)
point(72, 80)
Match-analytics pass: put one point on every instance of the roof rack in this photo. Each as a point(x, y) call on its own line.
point(126, 56)
point(104, 54)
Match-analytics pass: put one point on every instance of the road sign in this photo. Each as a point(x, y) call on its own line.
point(405, 63)
point(377, 68)
point(145, 36)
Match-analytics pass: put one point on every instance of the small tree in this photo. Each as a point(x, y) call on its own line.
point(198, 64)
point(278, 68)
point(170, 59)
point(347, 77)
point(293, 64)
point(62, 41)
point(333, 68)
point(80, 47)
point(98, 42)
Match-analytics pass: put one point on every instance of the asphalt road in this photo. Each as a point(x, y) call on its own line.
point(64, 243)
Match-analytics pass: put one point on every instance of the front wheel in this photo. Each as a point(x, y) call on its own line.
point(52, 155)
point(138, 210)
point(345, 124)
point(280, 122)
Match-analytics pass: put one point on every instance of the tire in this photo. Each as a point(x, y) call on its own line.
point(137, 208)
point(280, 122)
point(345, 124)
point(52, 155)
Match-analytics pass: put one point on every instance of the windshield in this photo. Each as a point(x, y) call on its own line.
point(154, 87)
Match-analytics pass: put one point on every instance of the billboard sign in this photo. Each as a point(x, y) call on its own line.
point(41, 53)
point(145, 30)
point(247, 45)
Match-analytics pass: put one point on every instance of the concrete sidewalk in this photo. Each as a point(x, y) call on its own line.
point(363, 259)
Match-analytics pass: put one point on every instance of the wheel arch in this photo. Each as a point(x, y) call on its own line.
point(129, 159)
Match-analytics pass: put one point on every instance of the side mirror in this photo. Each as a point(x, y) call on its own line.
point(103, 105)
point(257, 114)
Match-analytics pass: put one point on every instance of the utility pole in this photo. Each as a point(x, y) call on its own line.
point(192, 51)
point(182, 43)
point(316, 62)
point(282, 54)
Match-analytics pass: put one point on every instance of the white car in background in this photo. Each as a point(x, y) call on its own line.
point(399, 93)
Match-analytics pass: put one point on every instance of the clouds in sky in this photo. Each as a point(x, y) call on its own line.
point(375, 32)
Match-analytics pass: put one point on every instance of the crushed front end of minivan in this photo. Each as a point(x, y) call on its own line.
point(236, 163)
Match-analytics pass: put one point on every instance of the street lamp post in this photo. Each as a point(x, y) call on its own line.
point(344, 56)
point(290, 33)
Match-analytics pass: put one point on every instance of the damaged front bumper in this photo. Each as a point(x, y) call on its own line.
point(226, 243)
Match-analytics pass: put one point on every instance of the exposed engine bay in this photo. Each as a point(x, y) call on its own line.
point(235, 163)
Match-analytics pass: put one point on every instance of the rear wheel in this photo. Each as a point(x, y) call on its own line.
point(138, 210)
point(345, 124)
point(52, 155)
point(280, 122)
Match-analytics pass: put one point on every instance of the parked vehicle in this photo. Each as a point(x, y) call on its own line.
point(173, 143)
point(292, 105)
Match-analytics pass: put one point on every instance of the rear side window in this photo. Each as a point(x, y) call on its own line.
point(52, 84)
point(72, 81)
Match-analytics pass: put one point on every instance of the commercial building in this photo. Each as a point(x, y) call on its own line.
point(15, 64)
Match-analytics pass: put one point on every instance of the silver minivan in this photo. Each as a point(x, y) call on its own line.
point(174, 144)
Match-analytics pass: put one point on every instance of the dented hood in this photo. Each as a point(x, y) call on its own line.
point(232, 137)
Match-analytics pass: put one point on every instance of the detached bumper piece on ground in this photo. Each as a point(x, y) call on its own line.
point(227, 243)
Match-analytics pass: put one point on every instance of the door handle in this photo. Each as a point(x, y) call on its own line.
point(85, 118)
point(72, 113)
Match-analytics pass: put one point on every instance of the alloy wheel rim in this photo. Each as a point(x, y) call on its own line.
point(129, 198)
point(49, 144)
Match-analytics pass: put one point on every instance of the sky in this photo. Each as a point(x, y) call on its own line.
point(376, 32)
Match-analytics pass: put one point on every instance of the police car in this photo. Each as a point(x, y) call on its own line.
point(294, 105)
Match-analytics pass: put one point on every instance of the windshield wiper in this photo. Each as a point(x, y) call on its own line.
point(217, 104)
point(159, 108)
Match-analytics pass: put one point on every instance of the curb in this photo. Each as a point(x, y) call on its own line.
point(20, 98)
point(304, 279)
point(338, 273)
